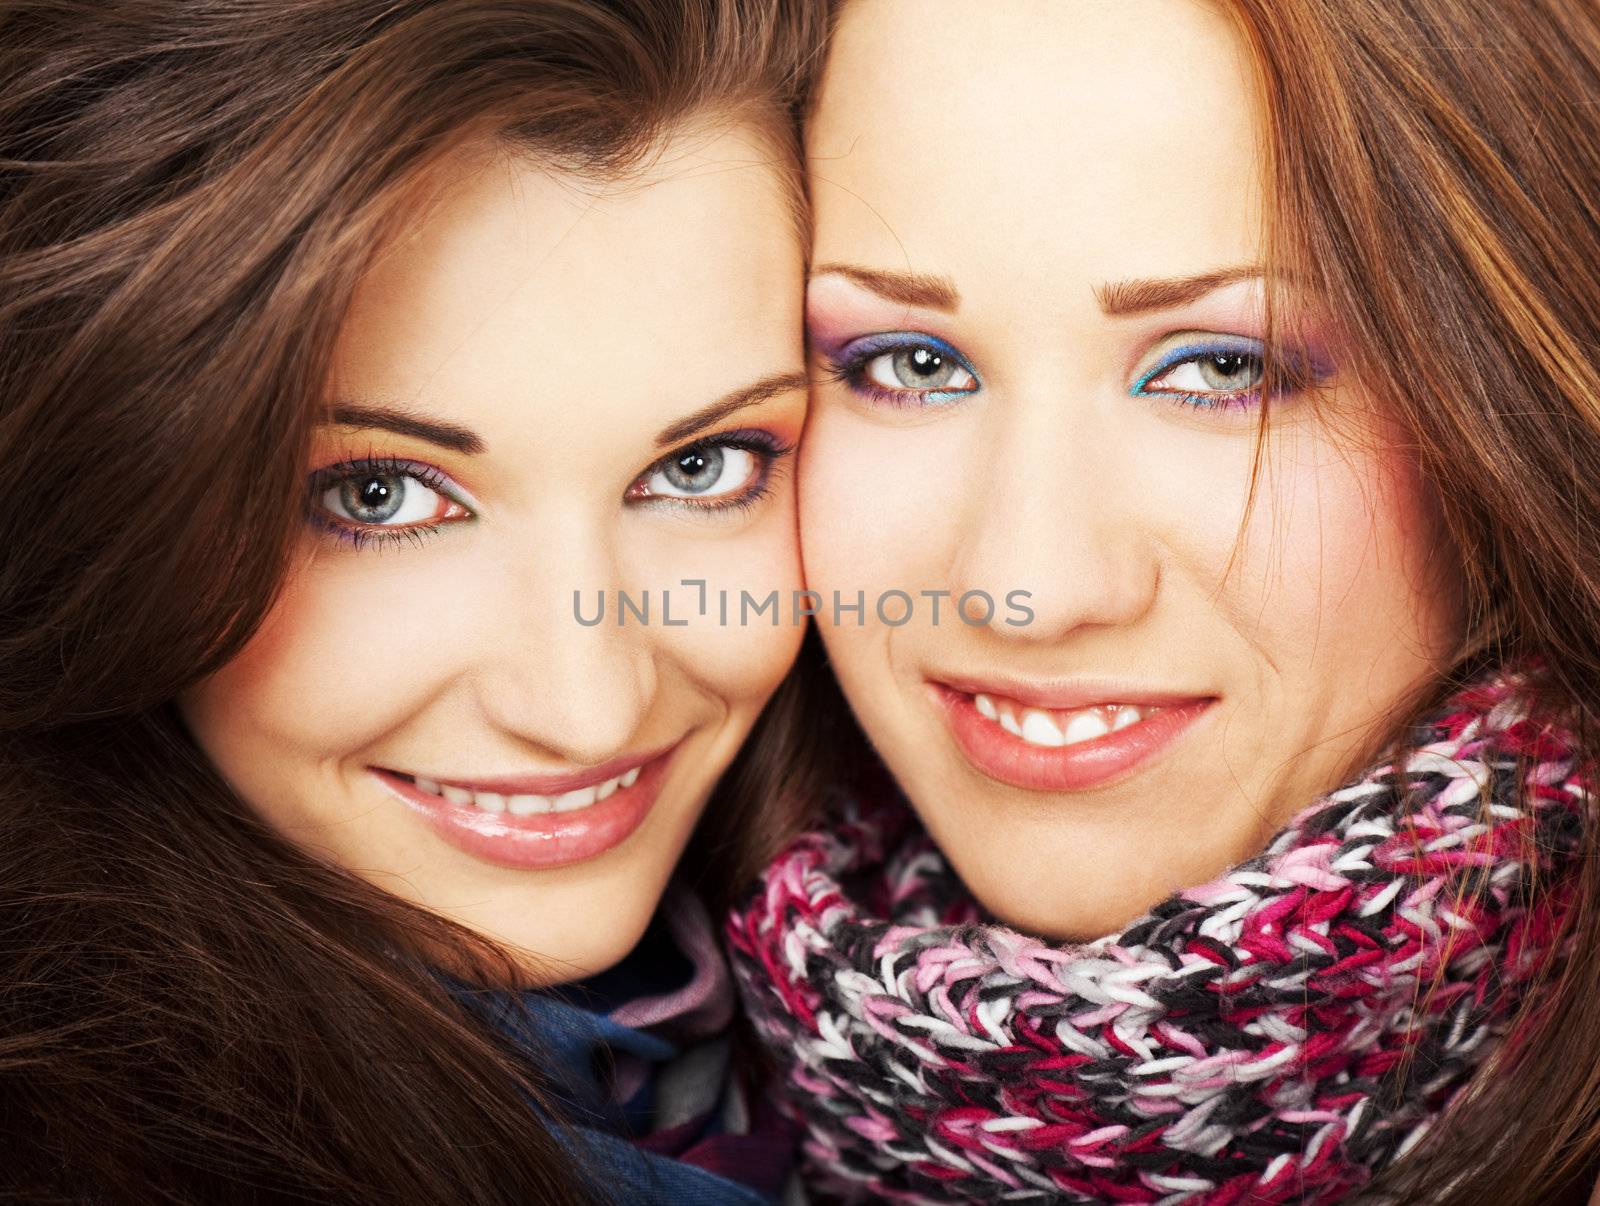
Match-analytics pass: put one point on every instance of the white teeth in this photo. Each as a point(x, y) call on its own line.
point(574, 800)
point(1086, 726)
point(529, 804)
point(611, 786)
point(1039, 729)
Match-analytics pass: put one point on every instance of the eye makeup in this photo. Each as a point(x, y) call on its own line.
point(876, 367)
point(1214, 371)
point(393, 477)
point(765, 448)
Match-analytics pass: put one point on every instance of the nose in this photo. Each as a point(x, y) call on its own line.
point(581, 692)
point(1054, 512)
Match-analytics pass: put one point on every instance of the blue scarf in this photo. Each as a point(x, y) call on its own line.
point(636, 1064)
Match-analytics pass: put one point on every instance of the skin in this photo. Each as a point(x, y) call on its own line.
point(1118, 145)
point(565, 323)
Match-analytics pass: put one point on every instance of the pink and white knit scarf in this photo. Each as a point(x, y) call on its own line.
point(1277, 1035)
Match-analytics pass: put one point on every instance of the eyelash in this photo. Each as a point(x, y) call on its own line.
point(367, 535)
point(763, 444)
point(1193, 353)
point(849, 366)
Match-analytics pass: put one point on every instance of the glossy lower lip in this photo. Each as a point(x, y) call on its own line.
point(543, 840)
point(1089, 764)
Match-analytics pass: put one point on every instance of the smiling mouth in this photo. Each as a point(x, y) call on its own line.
point(1064, 740)
point(1054, 728)
point(526, 804)
point(537, 821)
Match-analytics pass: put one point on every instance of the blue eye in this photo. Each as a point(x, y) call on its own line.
point(904, 369)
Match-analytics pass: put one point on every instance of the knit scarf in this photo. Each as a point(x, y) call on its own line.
point(1277, 1035)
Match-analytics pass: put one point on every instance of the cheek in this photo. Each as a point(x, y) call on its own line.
point(878, 502)
point(723, 645)
point(1335, 569)
point(345, 656)
point(866, 497)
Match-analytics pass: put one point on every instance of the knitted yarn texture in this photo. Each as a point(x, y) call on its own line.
point(1277, 1035)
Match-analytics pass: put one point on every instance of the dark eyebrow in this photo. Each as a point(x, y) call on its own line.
point(768, 387)
point(907, 288)
point(446, 435)
point(1141, 296)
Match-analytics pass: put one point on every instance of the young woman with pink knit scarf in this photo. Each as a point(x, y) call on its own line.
point(1201, 497)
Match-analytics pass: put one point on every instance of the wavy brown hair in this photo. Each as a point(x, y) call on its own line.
point(191, 1009)
point(1435, 175)
point(1435, 166)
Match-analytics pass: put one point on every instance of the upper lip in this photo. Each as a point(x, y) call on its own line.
point(1069, 694)
point(550, 785)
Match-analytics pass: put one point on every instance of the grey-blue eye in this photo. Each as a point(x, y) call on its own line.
point(695, 471)
point(1212, 372)
point(375, 499)
point(387, 499)
point(381, 498)
point(724, 472)
point(903, 368)
point(1224, 372)
point(703, 471)
point(918, 367)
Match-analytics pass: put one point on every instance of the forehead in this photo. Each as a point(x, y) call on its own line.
point(1107, 138)
point(530, 304)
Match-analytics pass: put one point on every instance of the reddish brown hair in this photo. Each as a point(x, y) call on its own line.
point(1436, 174)
point(190, 1008)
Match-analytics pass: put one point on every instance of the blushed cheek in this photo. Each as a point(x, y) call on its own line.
point(345, 657)
point(878, 506)
point(1339, 549)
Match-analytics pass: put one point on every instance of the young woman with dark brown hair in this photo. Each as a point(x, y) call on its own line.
point(1250, 348)
point(343, 346)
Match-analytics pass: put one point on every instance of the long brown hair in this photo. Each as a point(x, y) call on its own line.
point(1435, 176)
point(1435, 166)
point(192, 1010)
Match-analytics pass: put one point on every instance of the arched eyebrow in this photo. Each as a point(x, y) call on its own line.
point(1116, 298)
point(401, 422)
point(469, 443)
point(753, 394)
point(1120, 298)
point(906, 288)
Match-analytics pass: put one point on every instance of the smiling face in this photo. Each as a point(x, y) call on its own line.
point(1038, 317)
point(546, 386)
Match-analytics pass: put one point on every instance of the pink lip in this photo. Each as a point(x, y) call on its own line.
point(1089, 764)
point(541, 840)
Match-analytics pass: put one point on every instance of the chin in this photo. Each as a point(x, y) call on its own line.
point(1062, 921)
point(550, 959)
point(562, 932)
